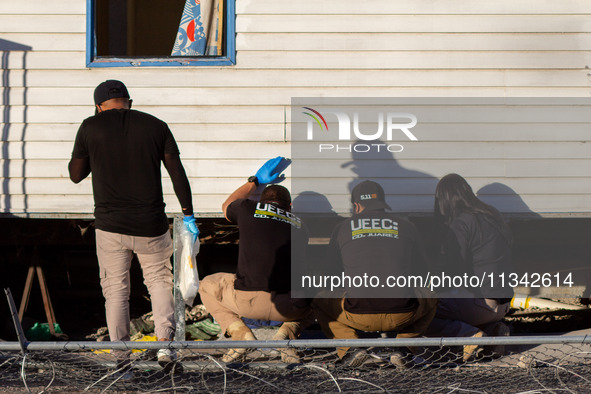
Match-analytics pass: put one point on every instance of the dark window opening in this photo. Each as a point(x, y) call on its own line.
point(160, 32)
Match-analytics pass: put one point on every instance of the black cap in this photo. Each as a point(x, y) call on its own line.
point(369, 194)
point(108, 90)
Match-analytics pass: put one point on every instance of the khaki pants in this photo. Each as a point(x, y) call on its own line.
point(338, 323)
point(228, 305)
point(115, 252)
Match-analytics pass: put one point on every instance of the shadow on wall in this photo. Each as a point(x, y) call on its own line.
point(505, 199)
point(406, 190)
point(12, 52)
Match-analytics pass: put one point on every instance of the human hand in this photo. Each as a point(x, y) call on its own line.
point(266, 174)
point(191, 226)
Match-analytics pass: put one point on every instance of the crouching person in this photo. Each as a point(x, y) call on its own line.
point(473, 239)
point(260, 289)
point(374, 243)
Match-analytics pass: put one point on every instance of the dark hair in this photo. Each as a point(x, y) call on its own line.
point(276, 194)
point(454, 195)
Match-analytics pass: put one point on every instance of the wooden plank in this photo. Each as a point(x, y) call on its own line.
point(19, 168)
point(397, 186)
point(43, 23)
point(363, 42)
point(282, 96)
point(574, 60)
point(351, 60)
point(46, 186)
point(380, 23)
point(43, 7)
point(193, 96)
point(412, 7)
point(455, 150)
point(578, 203)
point(203, 150)
point(83, 204)
point(47, 60)
point(226, 132)
point(49, 41)
point(415, 150)
point(415, 60)
point(40, 7)
point(260, 78)
point(14, 132)
point(234, 169)
point(210, 204)
point(226, 168)
point(401, 186)
point(172, 114)
point(434, 167)
point(543, 203)
point(483, 132)
point(526, 115)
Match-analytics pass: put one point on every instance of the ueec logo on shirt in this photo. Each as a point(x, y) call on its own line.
point(270, 211)
point(373, 227)
point(390, 125)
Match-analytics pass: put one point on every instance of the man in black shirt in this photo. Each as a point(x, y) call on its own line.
point(377, 245)
point(261, 287)
point(124, 149)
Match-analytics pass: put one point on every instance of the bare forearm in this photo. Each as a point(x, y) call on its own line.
point(243, 191)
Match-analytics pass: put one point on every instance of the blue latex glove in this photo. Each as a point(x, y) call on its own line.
point(191, 226)
point(265, 173)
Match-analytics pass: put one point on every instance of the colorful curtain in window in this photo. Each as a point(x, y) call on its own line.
point(200, 29)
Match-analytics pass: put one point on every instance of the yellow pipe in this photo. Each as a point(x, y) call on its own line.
point(522, 301)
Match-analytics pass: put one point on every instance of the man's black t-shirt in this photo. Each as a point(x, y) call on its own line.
point(125, 150)
point(378, 244)
point(267, 233)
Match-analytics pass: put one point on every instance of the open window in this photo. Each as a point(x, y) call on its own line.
point(124, 33)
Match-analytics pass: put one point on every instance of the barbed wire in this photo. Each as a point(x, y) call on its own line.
point(434, 365)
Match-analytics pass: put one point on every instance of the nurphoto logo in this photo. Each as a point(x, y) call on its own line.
point(390, 125)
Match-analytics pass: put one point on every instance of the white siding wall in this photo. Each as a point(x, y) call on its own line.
point(228, 119)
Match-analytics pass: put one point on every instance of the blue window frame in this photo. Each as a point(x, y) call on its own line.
point(97, 22)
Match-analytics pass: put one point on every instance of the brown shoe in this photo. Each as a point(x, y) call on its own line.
point(472, 350)
point(239, 332)
point(288, 330)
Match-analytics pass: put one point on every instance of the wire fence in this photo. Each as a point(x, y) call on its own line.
point(433, 365)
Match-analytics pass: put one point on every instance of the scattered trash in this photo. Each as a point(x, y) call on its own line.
point(196, 313)
point(199, 325)
point(40, 332)
point(143, 324)
point(205, 329)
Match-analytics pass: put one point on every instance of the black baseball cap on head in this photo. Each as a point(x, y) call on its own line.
point(369, 194)
point(108, 90)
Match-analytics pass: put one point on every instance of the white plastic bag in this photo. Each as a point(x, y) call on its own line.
point(188, 275)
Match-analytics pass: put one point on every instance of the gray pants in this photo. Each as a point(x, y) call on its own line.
point(114, 252)
point(463, 317)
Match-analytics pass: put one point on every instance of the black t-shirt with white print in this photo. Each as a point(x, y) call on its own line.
point(376, 245)
point(267, 233)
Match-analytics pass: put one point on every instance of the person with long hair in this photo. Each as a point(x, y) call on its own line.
point(473, 240)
